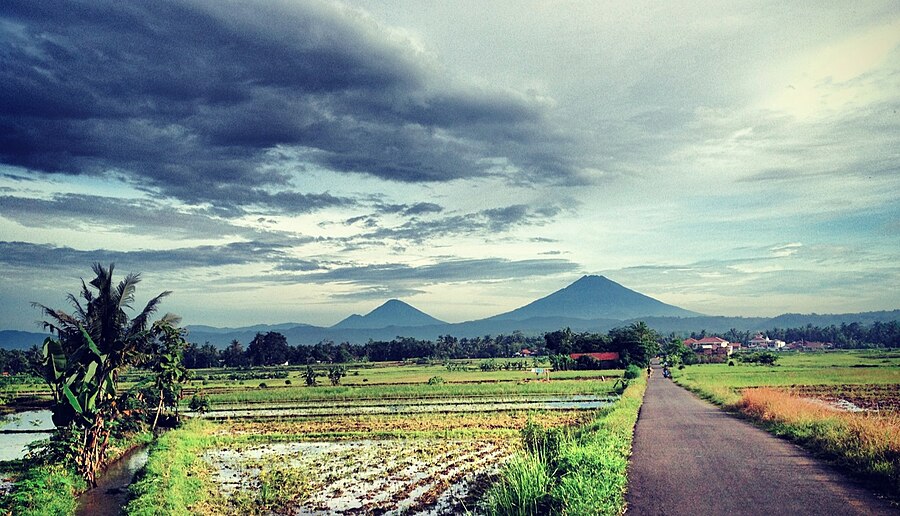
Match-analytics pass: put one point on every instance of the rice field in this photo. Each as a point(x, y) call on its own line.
point(365, 447)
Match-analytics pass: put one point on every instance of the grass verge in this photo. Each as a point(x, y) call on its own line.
point(580, 472)
point(53, 489)
point(45, 490)
point(865, 444)
point(175, 479)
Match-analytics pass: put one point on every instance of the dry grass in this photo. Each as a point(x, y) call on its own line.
point(866, 443)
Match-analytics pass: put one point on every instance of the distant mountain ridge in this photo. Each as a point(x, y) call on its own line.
point(593, 303)
point(392, 313)
point(596, 297)
point(15, 339)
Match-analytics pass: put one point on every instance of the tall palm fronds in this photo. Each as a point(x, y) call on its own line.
point(102, 314)
point(95, 343)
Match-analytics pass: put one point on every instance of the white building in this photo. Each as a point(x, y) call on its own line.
point(760, 341)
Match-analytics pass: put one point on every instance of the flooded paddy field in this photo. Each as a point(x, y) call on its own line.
point(396, 476)
point(20, 429)
point(355, 453)
point(865, 397)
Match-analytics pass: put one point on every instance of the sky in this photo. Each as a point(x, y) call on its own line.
point(298, 161)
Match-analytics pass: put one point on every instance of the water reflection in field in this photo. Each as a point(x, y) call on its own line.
point(21, 429)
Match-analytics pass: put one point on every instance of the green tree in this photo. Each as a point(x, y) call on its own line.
point(270, 348)
point(677, 353)
point(82, 363)
point(166, 361)
point(310, 377)
point(636, 343)
point(234, 356)
point(335, 373)
point(561, 362)
point(560, 341)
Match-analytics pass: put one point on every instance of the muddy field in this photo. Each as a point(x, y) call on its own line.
point(399, 476)
point(880, 398)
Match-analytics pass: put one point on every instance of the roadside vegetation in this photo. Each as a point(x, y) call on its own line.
point(96, 421)
point(843, 406)
point(175, 480)
point(581, 470)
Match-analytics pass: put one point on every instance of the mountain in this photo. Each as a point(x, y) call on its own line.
point(392, 313)
point(596, 297)
point(262, 328)
point(593, 303)
point(14, 339)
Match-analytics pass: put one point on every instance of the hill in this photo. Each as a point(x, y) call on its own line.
point(596, 297)
point(392, 313)
point(14, 339)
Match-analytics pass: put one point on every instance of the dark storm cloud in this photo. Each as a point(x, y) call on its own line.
point(494, 220)
point(44, 256)
point(135, 216)
point(223, 101)
point(128, 215)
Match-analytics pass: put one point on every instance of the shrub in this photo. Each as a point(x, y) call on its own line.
point(632, 372)
point(435, 380)
point(199, 402)
point(263, 385)
point(543, 442)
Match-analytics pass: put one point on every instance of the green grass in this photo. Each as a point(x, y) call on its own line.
point(586, 474)
point(389, 373)
point(174, 481)
point(53, 489)
point(833, 368)
point(422, 390)
point(45, 490)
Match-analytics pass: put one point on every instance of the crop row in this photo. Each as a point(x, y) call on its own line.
point(394, 476)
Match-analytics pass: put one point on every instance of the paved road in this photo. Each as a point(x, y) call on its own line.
point(692, 458)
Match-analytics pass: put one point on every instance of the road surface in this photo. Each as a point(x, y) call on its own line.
point(691, 458)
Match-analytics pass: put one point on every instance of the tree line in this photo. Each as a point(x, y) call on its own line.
point(635, 343)
point(272, 348)
point(845, 336)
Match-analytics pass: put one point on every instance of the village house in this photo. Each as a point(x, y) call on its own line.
point(806, 345)
point(760, 341)
point(607, 359)
point(710, 346)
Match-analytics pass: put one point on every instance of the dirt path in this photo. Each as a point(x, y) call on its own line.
point(692, 458)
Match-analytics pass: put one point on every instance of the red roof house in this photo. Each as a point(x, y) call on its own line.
point(603, 357)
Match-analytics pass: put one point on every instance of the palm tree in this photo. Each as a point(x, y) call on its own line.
point(103, 315)
point(93, 345)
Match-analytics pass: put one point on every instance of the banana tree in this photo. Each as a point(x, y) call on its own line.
point(84, 393)
point(93, 345)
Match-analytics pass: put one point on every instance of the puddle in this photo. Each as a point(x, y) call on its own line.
point(839, 404)
point(22, 428)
